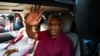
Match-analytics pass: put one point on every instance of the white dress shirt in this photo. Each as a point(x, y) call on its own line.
point(22, 45)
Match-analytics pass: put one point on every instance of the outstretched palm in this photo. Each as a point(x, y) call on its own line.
point(34, 16)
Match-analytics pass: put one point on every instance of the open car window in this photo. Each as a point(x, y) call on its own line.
point(10, 20)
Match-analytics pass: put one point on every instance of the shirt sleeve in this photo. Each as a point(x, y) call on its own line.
point(26, 48)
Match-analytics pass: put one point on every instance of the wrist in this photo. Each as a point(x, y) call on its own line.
point(28, 25)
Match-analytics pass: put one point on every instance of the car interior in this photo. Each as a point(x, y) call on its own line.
point(81, 22)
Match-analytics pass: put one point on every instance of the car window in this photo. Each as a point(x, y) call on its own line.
point(13, 20)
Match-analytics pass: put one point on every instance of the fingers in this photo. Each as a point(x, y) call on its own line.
point(4, 53)
point(31, 9)
point(40, 12)
point(36, 8)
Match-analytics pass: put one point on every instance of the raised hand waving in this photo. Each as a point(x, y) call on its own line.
point(34, 16)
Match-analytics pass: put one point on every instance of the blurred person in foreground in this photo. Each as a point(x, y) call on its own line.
point(21, 44)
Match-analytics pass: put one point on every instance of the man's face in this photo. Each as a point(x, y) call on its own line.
point(54, 26)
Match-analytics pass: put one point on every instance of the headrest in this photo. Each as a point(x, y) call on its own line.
point(67, 25)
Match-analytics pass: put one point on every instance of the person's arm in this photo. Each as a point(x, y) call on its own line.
point(21, 49)
point(31, 32)
point(26, 48)
point(32, 20)
point(9, 52)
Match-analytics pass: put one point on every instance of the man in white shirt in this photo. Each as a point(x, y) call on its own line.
point(20, 47)
point(23, 45)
